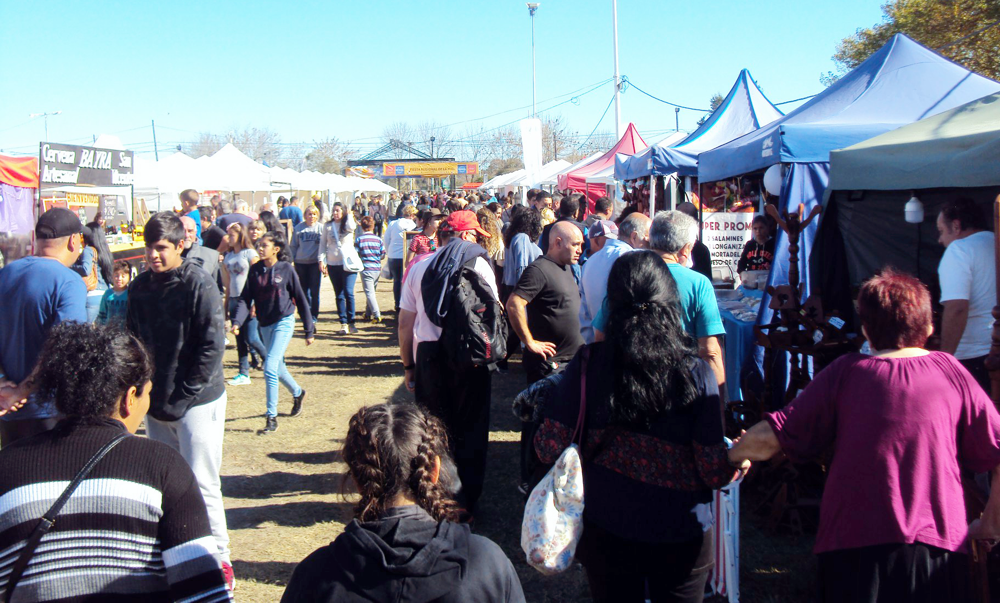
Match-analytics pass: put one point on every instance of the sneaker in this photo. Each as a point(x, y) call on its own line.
point(239, 379)
point(344, 330)
point(297, 404)
point(227, 573)
point(271, 425)
point(354, 329)
point(377, 320)
point(255, 364)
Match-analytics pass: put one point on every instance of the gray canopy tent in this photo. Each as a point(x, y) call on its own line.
point(955, 153)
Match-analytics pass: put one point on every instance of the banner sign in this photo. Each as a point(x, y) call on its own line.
point(74, 164)
point(531, 148)
point(725, 234)
point(434, 169)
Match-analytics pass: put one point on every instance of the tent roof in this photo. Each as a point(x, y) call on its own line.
point(744, 110)
point(957, 148)
point(899, 84)
point(630, 143)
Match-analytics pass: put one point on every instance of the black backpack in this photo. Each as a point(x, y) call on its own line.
point(474, 330)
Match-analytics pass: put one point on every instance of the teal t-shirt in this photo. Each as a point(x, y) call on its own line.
point(699, 308)
point(113, 306)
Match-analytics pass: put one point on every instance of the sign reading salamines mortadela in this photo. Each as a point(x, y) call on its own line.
point(74, 164)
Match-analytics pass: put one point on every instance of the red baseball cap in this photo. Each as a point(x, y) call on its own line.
point(463, 220)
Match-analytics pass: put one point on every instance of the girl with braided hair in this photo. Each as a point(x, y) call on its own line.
point(405, 543)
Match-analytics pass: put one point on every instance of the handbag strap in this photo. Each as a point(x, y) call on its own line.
point(49, 519)
point(584, 357)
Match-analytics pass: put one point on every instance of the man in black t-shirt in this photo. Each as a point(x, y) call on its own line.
point(544, 307)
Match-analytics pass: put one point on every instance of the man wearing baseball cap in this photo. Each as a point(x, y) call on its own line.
point(39, 292)
point(460, 398)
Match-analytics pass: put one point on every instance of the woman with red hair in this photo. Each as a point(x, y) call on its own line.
point(903, 424)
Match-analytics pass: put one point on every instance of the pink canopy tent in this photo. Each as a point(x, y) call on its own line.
point(576, 180)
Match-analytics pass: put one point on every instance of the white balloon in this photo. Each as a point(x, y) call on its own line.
point(772, 180)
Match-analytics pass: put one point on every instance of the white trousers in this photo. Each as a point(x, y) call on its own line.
point(198, 437)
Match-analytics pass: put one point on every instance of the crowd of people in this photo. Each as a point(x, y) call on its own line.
point(618, 330)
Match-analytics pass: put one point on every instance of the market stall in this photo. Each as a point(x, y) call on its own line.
point(576, 179)
point(18, 186)
point(875, 183)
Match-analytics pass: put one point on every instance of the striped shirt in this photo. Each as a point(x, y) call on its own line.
point(371, 250)
point(135, 529)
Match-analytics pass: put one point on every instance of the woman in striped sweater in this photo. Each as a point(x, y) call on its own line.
point(136, 528)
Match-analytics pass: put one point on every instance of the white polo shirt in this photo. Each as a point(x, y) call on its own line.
point(412, 300)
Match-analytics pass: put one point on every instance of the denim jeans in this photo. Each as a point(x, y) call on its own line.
point(93, 305)
point(396, 269)
point(248, 341)
point(310, 278)
point(343, 284)
point(369, 278)
point(276, 339)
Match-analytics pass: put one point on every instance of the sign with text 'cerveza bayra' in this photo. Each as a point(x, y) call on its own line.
point(69, 164)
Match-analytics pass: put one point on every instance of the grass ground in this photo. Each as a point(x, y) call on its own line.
point(283, 491)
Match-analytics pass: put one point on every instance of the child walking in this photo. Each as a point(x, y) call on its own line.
point(371, 250)
point(115, 300)
point(273, 288)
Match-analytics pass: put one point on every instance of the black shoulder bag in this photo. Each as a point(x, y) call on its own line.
point(49, 519)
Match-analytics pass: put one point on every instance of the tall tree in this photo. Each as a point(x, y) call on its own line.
point(259, 144)
point(328, 155)
point(965, 31)
point(206, 144)
point(713, 104)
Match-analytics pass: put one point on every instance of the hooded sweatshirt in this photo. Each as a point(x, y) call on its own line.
point(406, 557)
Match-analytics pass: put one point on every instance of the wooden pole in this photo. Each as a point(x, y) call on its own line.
point(993, 360)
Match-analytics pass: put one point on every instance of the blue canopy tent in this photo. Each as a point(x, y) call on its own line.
point(899, 84)
point(743, 110)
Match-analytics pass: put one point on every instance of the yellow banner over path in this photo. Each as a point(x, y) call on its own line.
point(429, 168)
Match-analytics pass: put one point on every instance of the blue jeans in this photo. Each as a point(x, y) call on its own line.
point(310, 277)
point(248, 341)
point(343, 284)
point(369, 278)
point(396, 269)
point(93, 305)
point(276, 339)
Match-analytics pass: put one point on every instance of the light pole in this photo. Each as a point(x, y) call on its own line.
point(618, 111)
point(46, 116)
point(532, 7)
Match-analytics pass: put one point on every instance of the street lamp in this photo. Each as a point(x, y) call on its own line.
point(46, 116)
point(532, 7)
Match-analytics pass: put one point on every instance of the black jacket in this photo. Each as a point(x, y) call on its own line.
point(178, 317)
point(442, 275)
point(406, 557)
point(275, 291)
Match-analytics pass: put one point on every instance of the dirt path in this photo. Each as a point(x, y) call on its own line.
point(282, 491)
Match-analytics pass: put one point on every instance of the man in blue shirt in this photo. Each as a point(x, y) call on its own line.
point(39, 292)
point(292, 212)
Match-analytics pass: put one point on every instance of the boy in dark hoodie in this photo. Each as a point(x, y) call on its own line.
point(175, 309)
point(404, 544)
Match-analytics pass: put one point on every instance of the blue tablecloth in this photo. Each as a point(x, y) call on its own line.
point(739, 347)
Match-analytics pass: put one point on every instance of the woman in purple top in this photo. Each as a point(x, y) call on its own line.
point(903, 425)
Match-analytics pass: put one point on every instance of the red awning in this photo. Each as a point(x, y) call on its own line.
point(19, 171)
point(470, 185)
point(630, 144)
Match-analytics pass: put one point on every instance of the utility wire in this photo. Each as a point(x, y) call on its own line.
point(598, 123)
point(796, 100)
point(630, 83)
point(963, 38)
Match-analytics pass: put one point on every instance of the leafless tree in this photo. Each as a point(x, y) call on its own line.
point(206, 144)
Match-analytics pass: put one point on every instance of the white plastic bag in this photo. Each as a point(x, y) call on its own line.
point(553, 517)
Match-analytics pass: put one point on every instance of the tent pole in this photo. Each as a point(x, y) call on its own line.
point(652, 195)
point(618, 111)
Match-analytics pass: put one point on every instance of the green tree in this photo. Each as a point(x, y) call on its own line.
point(713, 104)
point(965, 31)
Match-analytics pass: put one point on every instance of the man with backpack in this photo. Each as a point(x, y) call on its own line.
point(451, 334)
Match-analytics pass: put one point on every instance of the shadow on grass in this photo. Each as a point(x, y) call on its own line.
point(309, 458)
point(290, 514)
point(280, 483)
point(264, 572)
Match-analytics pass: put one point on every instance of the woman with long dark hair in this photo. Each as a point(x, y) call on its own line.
point(273, 288)
point(405, 543)
point(520, 249)
point(241, 256)
point(271, 222)
point(652, 443)
point(139, 502)
point(95, 265)
point(338, 236)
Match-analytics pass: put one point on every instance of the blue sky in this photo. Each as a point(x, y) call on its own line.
point(309, 70)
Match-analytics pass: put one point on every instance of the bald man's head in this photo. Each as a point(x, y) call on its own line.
point(190, 230)
point(565, 243)
point(634, 230)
